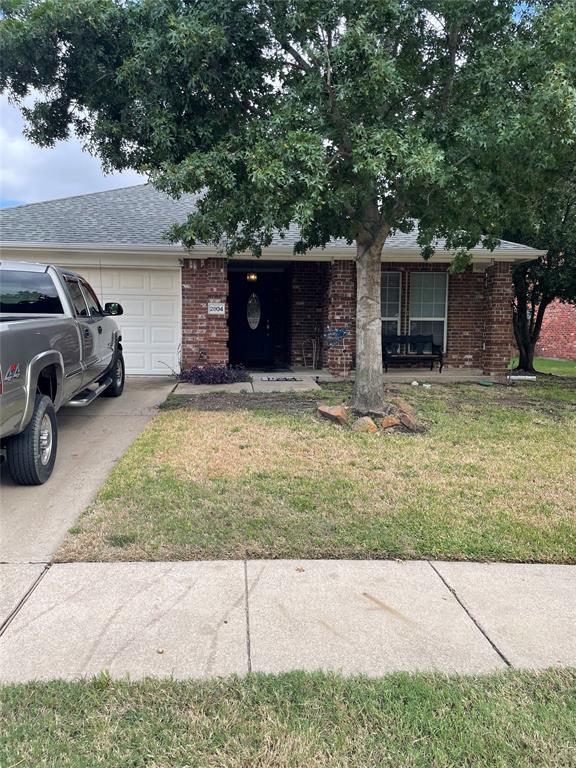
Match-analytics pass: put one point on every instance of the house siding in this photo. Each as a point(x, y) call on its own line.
point(558, 334)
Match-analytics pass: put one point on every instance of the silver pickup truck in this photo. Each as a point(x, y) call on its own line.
point(57, 347)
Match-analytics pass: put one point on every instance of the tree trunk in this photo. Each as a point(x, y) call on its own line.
point(526, 329)
point(369, 385)
point(523, 341)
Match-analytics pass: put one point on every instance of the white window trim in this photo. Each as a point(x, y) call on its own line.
point(400, 286)
point(434, 319)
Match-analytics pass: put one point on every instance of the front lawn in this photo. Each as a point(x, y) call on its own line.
point(551, 365)
point(248, 475)
point(296, 720)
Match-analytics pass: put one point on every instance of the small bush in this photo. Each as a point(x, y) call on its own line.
point(215, 374)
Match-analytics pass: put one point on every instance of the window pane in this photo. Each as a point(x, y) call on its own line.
point(428, 295)
point(427, 327)
point(28, 293)
point(389, 328)
point(390, 301)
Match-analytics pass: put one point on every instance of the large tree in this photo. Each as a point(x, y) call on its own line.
point(552, 276)
point(352, 118)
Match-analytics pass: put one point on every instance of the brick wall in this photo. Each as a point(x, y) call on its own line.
point(340, 313)
point(309, 282)
point(558, 334)
point(204, 337)
point(498, 334)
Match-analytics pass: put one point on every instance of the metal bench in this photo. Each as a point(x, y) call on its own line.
point(411, 349)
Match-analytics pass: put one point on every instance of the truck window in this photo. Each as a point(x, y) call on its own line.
point(30, 293)
point(91, 300)
point(77, 297)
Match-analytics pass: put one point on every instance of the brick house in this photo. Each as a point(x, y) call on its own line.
point(280, 311)
point(558, 334)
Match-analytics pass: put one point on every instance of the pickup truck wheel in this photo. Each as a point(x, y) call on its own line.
point(32, 453)
point(117, 372)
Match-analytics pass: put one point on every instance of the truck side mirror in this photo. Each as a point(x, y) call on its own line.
point(113, 308)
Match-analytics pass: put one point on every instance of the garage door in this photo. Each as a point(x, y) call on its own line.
point(151, 321)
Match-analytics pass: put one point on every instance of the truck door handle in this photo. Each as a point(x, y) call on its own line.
point(99, 329)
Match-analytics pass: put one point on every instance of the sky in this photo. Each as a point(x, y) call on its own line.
point(29, 173)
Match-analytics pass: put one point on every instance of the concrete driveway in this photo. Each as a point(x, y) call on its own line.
point(34, 520)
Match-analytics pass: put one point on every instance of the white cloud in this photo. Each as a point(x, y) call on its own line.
point(29, 173)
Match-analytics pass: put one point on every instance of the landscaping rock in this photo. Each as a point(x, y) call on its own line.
point(364, 424)
point(336, 413)
point(390, 421)
point(410, 423)
point(402, 405)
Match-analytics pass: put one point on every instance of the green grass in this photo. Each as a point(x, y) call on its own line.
point(550, 365)
point(296, 720)
point(488, 480)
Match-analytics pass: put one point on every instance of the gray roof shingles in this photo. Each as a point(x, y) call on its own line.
point(134, 216)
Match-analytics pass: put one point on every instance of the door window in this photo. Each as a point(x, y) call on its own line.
point(428, 292)
point(91, 300)
point(78, 300)
point(253, 311)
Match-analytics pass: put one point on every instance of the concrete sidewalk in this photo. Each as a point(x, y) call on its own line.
point(199, 619)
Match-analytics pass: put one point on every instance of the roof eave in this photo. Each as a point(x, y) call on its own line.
point(479, 255)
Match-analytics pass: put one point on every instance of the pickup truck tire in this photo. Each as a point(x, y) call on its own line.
point(32, 453)
point(118, 374)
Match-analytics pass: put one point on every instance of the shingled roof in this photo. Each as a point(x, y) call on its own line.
point(139, 216)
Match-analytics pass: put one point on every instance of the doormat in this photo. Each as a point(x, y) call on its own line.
point(279, 378)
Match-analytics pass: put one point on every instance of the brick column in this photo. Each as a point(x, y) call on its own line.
point(466, 304)
point(498, 341)
point(204, 336)
point(340, 314)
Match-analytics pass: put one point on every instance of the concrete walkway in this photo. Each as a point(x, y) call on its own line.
point(199, 619)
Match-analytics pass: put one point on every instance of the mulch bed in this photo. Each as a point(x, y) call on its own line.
point(280, 402)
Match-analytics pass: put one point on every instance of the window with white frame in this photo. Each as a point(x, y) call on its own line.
point(428, 304)
point(391, 284)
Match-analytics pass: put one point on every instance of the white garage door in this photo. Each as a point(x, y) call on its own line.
point(151, 321)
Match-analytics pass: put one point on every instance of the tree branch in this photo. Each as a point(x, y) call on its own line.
point(453, 40)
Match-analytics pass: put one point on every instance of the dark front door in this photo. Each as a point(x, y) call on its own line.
point(259, 320)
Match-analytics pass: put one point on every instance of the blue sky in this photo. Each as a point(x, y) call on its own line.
point(29, 173)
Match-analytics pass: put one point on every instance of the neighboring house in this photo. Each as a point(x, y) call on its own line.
point(263, 313)
point(558, 333)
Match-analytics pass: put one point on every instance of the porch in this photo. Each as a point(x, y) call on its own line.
point(277, 316)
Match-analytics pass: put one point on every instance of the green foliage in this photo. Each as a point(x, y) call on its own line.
point(552, 229)
point(345, 117)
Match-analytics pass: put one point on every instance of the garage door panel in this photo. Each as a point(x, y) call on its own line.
point(132, 279)
point(164, 281)
point(161, 308)
point(165, 335)
point(135, 362)
point(133, 335)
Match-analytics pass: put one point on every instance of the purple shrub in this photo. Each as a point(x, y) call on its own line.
point(215, 374)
